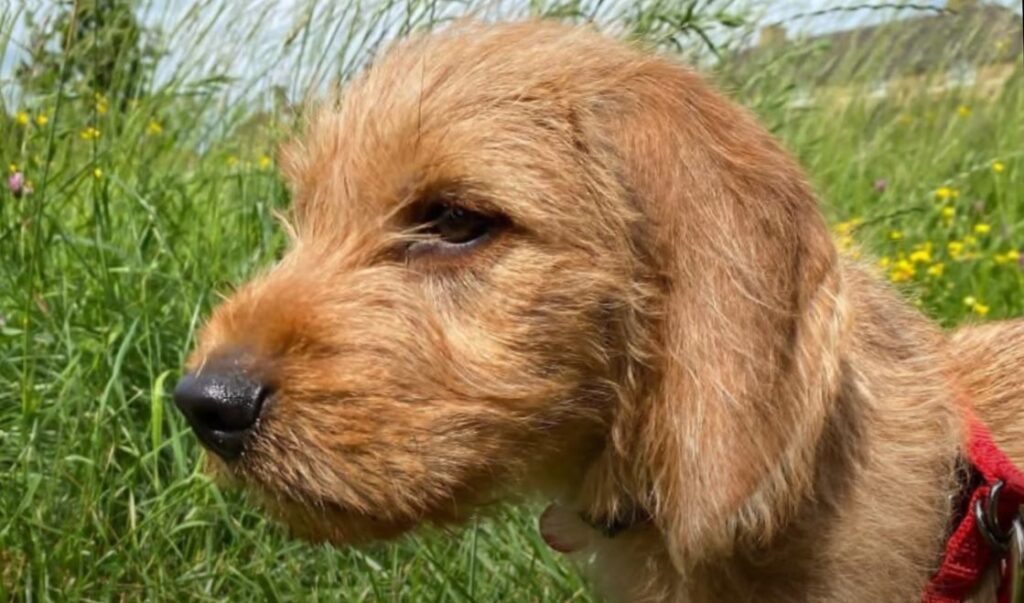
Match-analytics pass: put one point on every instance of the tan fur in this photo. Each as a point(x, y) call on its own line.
point(665, 331)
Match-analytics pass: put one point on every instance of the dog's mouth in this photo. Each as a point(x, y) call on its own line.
point(316, 515)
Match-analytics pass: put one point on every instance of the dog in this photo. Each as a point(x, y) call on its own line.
point(528, 260)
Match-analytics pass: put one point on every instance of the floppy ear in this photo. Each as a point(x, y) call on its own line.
point(721, 447)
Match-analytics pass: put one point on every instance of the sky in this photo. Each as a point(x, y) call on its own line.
point(260, 41)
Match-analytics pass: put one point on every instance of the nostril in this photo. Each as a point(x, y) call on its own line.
point(221, 402)
point(210, 419)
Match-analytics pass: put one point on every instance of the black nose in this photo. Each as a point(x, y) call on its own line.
point(221, 402)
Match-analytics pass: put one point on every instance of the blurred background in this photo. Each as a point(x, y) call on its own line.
point(138, 141)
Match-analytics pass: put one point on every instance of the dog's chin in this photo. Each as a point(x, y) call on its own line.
point(328, 522)
point(313, 519)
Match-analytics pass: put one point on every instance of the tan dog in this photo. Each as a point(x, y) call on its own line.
point(528, 259)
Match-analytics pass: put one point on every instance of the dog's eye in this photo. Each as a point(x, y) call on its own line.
point(450, 228)
point(456, 225)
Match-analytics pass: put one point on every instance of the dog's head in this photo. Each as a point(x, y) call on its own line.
point(522, 257)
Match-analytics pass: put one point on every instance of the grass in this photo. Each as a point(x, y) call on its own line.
point(929, 187)
point(142, 211)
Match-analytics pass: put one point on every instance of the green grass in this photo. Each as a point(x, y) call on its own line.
point(946, 222)
point(105, 275)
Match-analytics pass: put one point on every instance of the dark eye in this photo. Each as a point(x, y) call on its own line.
point(456, 225)
point(450, 228)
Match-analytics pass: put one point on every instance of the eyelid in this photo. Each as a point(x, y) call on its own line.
point(461, 196)
point(432, 247)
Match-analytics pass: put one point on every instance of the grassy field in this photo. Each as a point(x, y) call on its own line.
point(142, 209)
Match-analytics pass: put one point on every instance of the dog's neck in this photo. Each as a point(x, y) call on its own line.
point(867, 522)
point(632, 562)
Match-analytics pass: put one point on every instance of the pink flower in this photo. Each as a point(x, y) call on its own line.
point(16, 183)
point(18, 186)
point(880, 185)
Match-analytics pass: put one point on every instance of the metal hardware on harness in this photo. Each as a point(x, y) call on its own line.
point(1011, 540)
point(988, 520)
point(1015, 563)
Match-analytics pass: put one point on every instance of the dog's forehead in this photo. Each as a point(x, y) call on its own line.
point(472, 106)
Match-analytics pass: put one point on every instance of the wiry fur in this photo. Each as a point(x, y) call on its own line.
point(664, 331)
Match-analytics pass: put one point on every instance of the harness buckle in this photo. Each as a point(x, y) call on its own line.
point(1015, 562)
point(1008, 542)
point(987, 519)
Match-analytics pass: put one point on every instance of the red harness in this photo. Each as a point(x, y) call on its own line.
point(988, 527)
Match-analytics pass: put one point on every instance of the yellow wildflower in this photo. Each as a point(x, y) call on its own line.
point(948, 214)
point(955, 248)
point(998, 167)
point(982, 228)
point(895, 235)
point(902, 271)
point(154, 128)
point(101, 103)
point(936, 269)
point(884, 262)
point(90, 133)
point(847, 246)
point(1005, 258)
point(945, 192)
point(97, 173)
point(264, 162)
point(21, 117)
point(13, 167)
point(963, 110)
point(42, 119)
point(976, 306)
point(921, 256)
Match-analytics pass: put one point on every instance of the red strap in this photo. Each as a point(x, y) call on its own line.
point(967, 554)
